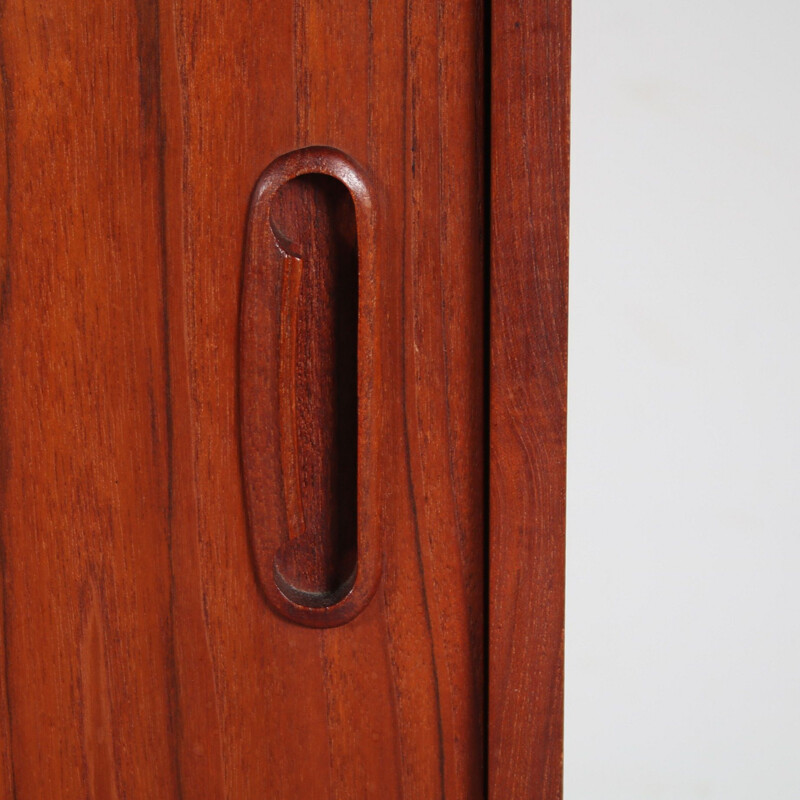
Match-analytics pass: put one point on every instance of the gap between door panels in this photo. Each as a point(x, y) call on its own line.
point(486, 69)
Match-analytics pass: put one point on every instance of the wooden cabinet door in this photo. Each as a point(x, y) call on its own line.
point(281, 457)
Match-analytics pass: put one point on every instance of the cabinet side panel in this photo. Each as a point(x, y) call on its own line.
point(530, 50)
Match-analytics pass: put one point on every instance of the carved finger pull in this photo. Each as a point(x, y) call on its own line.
point(308, 382)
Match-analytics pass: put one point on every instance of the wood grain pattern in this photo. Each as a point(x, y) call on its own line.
point(133, 133)
point(527, 406)
point(309, 565)
point(85, 486)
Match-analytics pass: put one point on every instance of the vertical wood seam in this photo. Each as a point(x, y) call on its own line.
point(5, 292)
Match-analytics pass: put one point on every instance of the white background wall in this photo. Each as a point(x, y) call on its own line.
point(683, 576)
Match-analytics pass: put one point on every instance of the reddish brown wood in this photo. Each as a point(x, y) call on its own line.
point(306, 566)
point(85, 484)
point(140, 659)
point(527, 408)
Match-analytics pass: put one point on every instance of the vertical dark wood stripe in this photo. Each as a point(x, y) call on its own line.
point(7, 782)
point(152, 99)
point(194, 695)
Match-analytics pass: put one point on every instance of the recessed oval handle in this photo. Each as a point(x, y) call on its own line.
point(308, 400)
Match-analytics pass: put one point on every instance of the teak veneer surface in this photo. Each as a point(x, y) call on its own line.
point(139, 656)
point(528, 395)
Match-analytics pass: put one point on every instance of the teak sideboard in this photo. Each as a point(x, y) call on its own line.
point(283, 304)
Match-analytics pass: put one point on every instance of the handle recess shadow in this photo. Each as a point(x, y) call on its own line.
point(308, 387)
